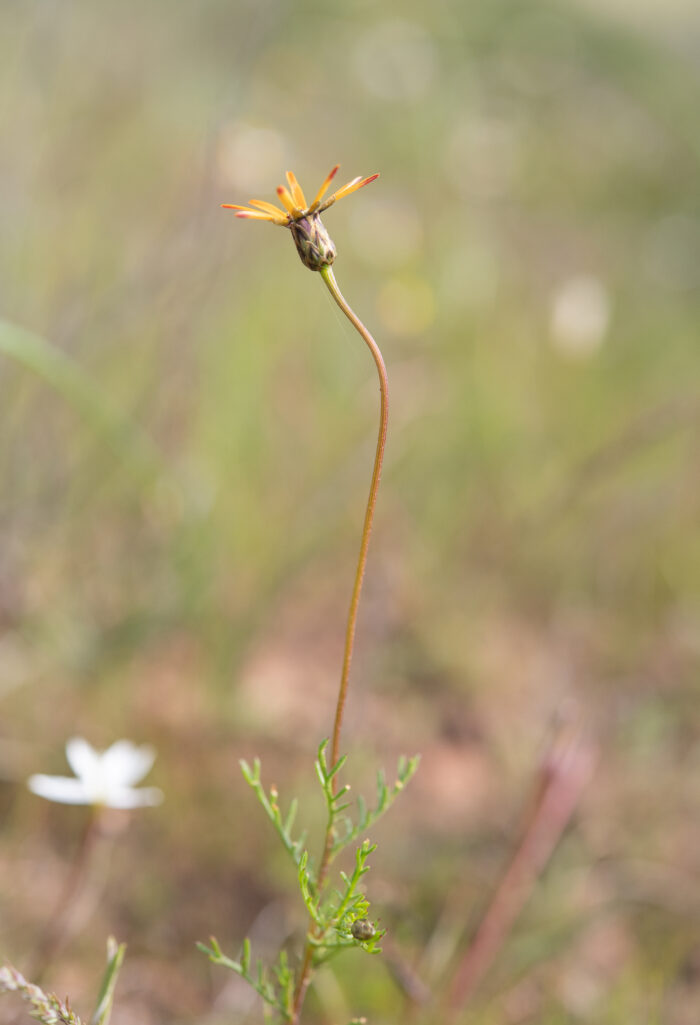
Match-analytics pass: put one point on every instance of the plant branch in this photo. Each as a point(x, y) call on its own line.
point(332, 286)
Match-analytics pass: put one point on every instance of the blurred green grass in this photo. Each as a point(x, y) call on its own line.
point(529, 261)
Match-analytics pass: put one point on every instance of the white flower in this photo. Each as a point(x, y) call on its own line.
point(101, 777)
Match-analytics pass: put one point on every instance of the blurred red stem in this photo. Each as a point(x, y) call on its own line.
point(560, 785)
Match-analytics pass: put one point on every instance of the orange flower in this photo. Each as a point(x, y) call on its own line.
point(314, 245)
point(294, 201)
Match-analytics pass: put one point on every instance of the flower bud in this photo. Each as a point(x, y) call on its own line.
point(362, 929)
point(314, 244)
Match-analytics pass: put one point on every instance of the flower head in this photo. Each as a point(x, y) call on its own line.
point(101, 777)
point(313, 243)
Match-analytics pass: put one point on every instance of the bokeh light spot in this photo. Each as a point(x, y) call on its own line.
point(579, 315)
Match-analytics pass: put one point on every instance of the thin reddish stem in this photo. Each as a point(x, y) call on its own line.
point(563, 777)
point(329, 279)
point(330, 282)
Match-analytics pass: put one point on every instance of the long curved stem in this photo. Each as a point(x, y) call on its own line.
point(329, 279)
point(332, 285)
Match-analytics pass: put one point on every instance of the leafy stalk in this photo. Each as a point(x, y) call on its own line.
point(385, 798)
point(329, 782)
point(283, 827)
point(277, 995)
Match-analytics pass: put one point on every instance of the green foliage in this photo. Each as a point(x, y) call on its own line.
point(338, 917)
point(365, 817)
point(335, 917)
point(277, 994)
point(283, 826)
point(115, 958)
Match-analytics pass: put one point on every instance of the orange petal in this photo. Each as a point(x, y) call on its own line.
point(271, 209)
point(232, 206)
point(352, 186)
point(297, 191)
point(287, 200)
point(322, 191)
point(255, 215)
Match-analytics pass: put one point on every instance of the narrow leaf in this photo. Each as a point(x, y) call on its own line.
point(337, 767)
point(291, 815)
point(115, 958)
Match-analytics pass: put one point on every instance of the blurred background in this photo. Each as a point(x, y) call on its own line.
point(185, 471)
